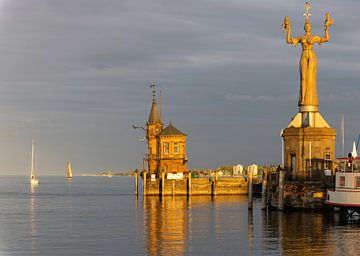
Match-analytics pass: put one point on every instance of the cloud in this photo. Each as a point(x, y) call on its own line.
point(71, 70)
point(259, 98)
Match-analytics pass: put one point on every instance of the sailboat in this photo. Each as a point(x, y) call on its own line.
point(68, 171)
point(33, 179)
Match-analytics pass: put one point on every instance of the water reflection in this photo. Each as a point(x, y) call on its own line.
point(299, 233)
point(170, 223)
point(33, 228)
point(223, 226)
point(250, 230)
point(165, 222)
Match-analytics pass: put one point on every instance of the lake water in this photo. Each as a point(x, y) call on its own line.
point(101, 216)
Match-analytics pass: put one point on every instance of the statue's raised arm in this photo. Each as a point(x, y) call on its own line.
point(326, 38)
point(286, 26)
point(328, 23)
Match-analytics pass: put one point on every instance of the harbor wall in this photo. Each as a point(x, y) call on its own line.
point(298, 194)
point(196, 186)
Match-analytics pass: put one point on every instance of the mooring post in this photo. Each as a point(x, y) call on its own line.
point(136, 181)
point(173, 187)
point(189, 184)
point(216, 182)
point(281, 190)
point(264, 191)
point(144, 182)
point(162, 183)
point(250, 188)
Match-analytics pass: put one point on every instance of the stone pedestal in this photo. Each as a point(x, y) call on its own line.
point(308, 151)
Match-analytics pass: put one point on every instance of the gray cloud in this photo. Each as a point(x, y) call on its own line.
point(74, 75)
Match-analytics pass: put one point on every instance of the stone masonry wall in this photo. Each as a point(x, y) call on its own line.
point(199, 186)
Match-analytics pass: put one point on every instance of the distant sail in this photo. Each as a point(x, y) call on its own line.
point(68, 170)
point(354, 152)
point(33, 179)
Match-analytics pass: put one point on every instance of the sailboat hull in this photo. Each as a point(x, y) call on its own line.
point(34, 181)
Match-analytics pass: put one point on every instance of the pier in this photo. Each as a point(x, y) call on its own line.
point(189, 186)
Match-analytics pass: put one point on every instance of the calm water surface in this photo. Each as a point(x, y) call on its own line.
point(101, 216)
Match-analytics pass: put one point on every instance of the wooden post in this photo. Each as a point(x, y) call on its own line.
point(162, 183)
point(250, 187)
point(144, 182)
point(136, 181)
point(281, 190)
point(264, 191)
point(216, 182)
point(173, 188)
point(189, 184)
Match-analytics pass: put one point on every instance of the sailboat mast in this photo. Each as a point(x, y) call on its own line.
point(342, 134)
point(32, 158)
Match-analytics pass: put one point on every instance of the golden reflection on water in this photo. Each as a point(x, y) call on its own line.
point(168, 221)
point(33, 231)
point(165, 222)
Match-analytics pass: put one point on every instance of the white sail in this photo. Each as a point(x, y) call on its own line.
point(68, 170)
point(354, 152)
point(33, 178)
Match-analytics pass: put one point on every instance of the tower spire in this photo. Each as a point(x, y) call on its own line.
point(154, 117)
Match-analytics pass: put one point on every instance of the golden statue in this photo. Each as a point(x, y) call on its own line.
point(308, 62)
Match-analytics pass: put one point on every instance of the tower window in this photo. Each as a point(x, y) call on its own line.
point(176, 148)
point(166, 148)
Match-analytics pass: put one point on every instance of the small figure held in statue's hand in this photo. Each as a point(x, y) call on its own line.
point(328, 21)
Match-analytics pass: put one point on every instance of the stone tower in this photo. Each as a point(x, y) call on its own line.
point(172, 151)
point(309, 141)
point(153, 128)
point(166, 146)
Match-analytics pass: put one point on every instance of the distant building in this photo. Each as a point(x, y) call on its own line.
point(238, 170)
point(166, 147)
point(254, 169)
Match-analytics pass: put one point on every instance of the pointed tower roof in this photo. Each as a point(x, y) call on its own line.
point(154, 117)
point(171, 130)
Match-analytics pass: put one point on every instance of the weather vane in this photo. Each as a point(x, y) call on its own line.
point(153, 89)
point(307, 9)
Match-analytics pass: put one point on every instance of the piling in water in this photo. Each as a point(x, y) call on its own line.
point(136, 182)
point(281, 190)
point(173, 188)
point(264, 191)
point(250, 188)
point(144, 183)
point(189, 185)
point(163, 183)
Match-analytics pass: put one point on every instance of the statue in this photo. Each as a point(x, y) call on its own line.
point(308, 62)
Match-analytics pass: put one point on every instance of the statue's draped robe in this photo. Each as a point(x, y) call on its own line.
point(308, 63)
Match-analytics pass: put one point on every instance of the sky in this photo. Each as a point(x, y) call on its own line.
point(74, 76)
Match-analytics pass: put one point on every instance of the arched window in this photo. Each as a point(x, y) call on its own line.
point(166, 148)
point(176, 148)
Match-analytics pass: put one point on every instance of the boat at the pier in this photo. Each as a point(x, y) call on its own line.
point(346, 193)
point(33, 179)
point(68, 171)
